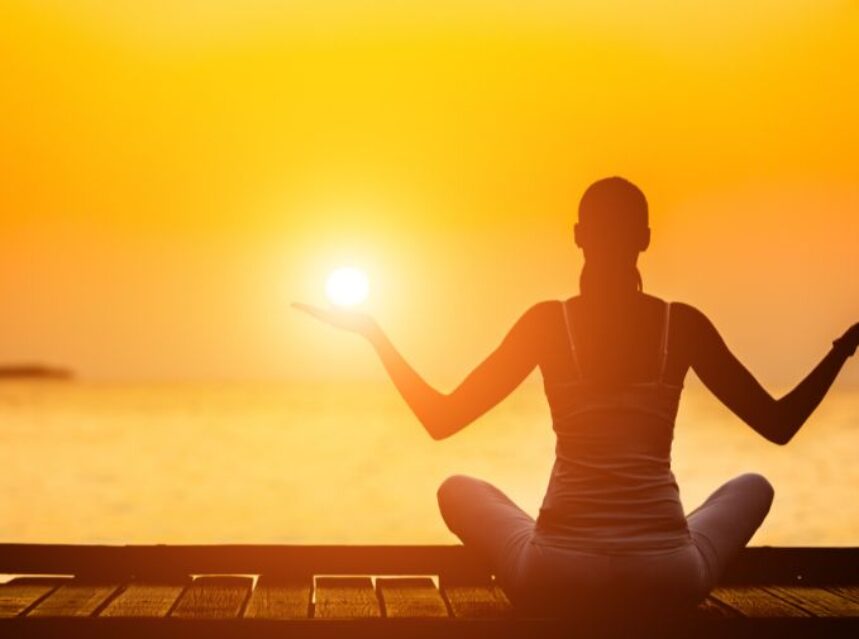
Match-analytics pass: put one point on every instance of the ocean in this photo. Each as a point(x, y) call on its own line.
point(86, 462)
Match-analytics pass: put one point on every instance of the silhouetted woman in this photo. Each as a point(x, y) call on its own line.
point(611, 529)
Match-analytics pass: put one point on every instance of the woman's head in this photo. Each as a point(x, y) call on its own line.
point(612, 230)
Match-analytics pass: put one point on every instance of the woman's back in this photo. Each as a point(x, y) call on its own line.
point(611, 488)
point(616, 341)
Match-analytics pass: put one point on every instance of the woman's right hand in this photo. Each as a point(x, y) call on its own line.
point(352, 321)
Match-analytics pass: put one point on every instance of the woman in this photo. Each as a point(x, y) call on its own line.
point(611, 529)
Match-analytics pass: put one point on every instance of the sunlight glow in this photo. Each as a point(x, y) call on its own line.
point(347, 286)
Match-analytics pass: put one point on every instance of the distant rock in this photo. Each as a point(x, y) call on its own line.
point(34, 371)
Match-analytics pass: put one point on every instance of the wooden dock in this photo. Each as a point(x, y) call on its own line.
point(378, 591)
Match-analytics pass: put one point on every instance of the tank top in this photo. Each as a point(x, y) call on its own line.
point(611, 488)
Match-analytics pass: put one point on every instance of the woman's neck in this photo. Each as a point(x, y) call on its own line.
point(609, 282)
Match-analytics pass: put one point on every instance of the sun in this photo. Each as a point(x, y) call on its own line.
point(347, 286)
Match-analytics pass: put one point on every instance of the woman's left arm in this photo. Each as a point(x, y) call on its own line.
point(443, 414)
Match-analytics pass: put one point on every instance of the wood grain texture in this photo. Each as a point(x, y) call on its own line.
point(413, 597)
point(817, 601)
point(74, 599)
point(711, 608)
point(851, 592)
point(18, 595)
point(280, 599)
point(477, 601)
point(213, 598)
point(753, 601)
point(141, 599)
point(346, 598)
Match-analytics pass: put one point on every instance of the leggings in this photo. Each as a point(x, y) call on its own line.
point(543, 578)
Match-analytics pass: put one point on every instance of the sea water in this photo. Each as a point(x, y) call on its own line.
point(348, 463)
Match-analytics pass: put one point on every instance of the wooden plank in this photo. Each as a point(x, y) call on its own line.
point(851, 592)
point(811, 566)
point(753, 601)
point(346, 598)
point(18, 595)
point(757, 565)
point(411, 597)
point(144, 599)
point(213, 598)
point(817, 601)
point(453, 560)
point(77, 598)
point(711, 608)
point(477, 601)
point(275, 598)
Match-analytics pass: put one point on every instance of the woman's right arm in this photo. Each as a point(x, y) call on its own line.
point(777, 420)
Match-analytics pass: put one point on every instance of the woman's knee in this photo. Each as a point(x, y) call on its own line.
point(449, 486)
point(450, 491)
point(759, 486)
point(453, 495)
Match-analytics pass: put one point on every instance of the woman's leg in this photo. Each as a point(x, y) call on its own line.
point(486, 520)
point(723, 525)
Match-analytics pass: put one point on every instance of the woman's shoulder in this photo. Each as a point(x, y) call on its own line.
point(690, 329)
point(551, 308)
point(684, 316)
point(678, 308)
point(540, 315)
point(688, 312)
point(542, 310)
point(691, 320)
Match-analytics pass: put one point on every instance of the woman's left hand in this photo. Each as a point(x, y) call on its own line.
point(850, 340)
point(353, 321)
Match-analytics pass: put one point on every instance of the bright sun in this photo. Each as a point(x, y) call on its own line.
point(347, 286)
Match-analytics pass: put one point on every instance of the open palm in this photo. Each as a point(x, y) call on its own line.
point(353, 321)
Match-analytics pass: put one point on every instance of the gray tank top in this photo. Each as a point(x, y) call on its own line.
point(611, 487)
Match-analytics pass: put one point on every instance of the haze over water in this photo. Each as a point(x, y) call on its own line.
point(347, 463)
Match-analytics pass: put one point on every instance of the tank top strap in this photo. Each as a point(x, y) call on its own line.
point(569, 328)
point(663, 348)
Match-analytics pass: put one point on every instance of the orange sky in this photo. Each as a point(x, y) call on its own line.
point(174, 174)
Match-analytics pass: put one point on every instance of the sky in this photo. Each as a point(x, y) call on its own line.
point(173, 175)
